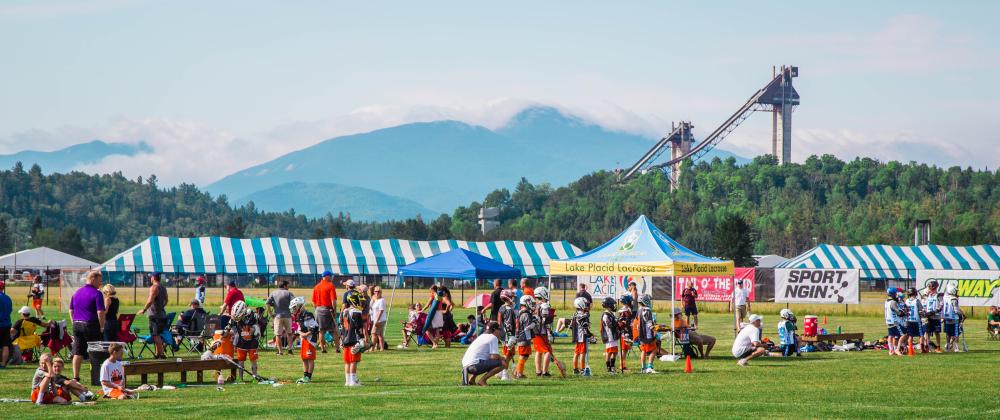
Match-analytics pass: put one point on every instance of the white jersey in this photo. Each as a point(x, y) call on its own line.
point(932, 304)
point(890, 313)
point(915, 307)
point(950, 309)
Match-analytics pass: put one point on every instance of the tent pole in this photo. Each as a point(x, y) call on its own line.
point(673, 292)
point(392, 296)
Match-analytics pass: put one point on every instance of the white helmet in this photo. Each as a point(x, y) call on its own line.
point(951, 289)
point(296, 303)
point(238, 311)
point(786, 313)
point(580, 303)
point(542, 293)
point(527, 301)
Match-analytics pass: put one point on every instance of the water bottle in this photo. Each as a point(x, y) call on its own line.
point(838, 329)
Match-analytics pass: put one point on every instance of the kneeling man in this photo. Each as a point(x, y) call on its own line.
point(482, 359)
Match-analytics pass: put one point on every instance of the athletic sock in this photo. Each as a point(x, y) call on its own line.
point(520, 366)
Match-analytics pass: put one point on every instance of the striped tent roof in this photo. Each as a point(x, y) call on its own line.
point(220, 255)
point(898, 262)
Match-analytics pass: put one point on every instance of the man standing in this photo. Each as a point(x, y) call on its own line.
point(277, 306)
point(324, 299)
point(233, 295)
point(495, 302)
point(633, 290)
point(86, 308)
point(583, 293)
point(6, 306)
point(690, 296)
point(156, 303)
point(512, 286)
point(482, 359)
point(741, 302)
point(528, 290)
point(747, 345)
point(199, 291)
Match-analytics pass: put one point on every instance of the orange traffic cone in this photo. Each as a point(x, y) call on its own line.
point(687, 365)
point(910, 351)
point(824, 319)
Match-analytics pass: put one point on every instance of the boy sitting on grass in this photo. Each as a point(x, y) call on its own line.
point(50, 386)
point(113, 375)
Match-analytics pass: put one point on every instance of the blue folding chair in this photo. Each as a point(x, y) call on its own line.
point(166, 335)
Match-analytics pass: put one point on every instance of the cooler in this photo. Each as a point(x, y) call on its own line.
point(810, 327)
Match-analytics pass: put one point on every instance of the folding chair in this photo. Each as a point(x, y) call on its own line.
point(190, 335)
point(56, 338)
point(125, 334)
point(212, 323)
point(166, 335)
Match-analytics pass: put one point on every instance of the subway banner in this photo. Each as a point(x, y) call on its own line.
point(601, 287)
point(816, 285)
point(975, 287)
point(717, 288)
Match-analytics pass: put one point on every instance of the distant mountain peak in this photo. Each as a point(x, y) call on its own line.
point(68, 158)
point(543, 115)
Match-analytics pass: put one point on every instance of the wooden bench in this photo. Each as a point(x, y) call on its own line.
point(159, 367)
point(831, 338)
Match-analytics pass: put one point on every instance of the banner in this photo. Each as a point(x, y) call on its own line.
point(808, 285)
point(975, 287)
point(658, 269)
point(717, 288)
point(601, 287)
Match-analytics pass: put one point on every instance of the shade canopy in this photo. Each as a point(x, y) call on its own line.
point(284, 256)
point(642, 250)
point(898, 262)
point(460, 264)
point(44, 258)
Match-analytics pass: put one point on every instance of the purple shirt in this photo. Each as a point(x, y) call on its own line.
point(85, 304)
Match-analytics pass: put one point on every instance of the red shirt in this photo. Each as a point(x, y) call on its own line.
point(234, 295)
point(324, 294)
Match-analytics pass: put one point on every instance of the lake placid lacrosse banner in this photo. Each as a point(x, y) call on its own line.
point(975, 287)
point(808, 285)
point(717, 288)
point(601, 287)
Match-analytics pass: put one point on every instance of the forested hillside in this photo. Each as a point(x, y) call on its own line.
point(789, 208)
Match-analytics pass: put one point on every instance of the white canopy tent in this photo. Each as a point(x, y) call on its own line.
point(43, 258)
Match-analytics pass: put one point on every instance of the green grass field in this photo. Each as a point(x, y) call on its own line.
point(424, 382)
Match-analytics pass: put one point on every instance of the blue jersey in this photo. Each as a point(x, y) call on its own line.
point(786, 331)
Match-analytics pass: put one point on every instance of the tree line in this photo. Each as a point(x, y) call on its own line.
point(719, 208)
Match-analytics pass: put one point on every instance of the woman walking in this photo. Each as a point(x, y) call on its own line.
point(449, 327)
point(378, 317)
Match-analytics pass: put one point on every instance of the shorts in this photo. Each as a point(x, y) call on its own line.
point(540, 344)
point(611, 348)
point(647, 347)
point(741, 311)
point(895, 331)
point(350, 357)
point(951, 329)
point(912, 329)
point(324, 317)
point(308, 351)
point(524, 350)
point(36, 303)
point(932, 326)
point(157, 326)
point(483, 366)
point(115, 393)
point(244, 354)
point(83, 333)
point(691, 310)
point(379, 329)
point(49, 396)
point(745, 354)
point(507, 352)
point(282, 326)
point(580, 348)
point(625, 345)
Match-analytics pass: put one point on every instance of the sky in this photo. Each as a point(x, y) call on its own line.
point(215, 87)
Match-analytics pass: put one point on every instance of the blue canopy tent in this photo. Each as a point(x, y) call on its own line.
point(455, 264)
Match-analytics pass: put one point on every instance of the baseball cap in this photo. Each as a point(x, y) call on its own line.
point(155, 274)
point(349, 282)
point(327, 273)
point(755, 317)
point(25, 310)
point(677, 311)
point(195, 302)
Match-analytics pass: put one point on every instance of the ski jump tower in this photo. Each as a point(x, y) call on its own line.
point(777, 97)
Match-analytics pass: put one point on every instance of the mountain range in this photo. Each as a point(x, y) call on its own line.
point(69, 158)
point(440, 165)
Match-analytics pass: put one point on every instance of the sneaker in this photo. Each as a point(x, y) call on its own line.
point(87, 396)
point(504, 376)
point(303, 380)
point(742, 362)
point(352, 384)
point(546, 374)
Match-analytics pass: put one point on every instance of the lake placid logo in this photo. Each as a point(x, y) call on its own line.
point(666, 241)
point(630, 240)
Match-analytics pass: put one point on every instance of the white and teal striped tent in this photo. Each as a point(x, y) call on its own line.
point(898, 262)
point(220, 255)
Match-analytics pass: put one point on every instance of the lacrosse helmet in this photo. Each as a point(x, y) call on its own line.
point(507, 295)
point(580, 303)
point(609, 303)
point(527, 301)
point(542, 293)
point(892, 292)
point(912, 292)
point(625, 300)
point(646, 300)
point(238, 311)
point(296, 303)
point(951, 289)
point(786, 314)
